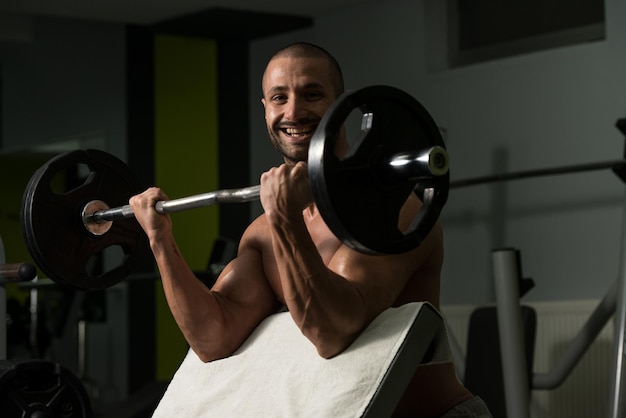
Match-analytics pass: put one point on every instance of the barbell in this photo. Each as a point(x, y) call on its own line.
point(359, 194)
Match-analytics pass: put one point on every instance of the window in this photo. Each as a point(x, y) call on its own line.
point(481, 30)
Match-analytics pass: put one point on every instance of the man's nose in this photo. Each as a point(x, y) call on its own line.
point(295, 109)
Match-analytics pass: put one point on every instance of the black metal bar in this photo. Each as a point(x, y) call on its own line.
point(579, 168)
point(18, 272)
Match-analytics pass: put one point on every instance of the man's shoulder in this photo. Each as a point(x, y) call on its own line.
point(260, 222)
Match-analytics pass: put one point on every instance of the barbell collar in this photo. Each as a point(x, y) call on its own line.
point(416, 166)
point(112, 214)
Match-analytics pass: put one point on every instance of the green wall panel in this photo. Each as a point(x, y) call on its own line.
point(186, 162)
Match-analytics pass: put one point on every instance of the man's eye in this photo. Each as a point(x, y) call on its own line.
point(279, 98)
point(314, 95)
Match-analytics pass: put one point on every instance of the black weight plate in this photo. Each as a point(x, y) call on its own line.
point(353, 193)
point(40, 388)
point(52, 222)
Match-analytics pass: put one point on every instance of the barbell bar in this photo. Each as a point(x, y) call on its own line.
point(359, 194)
point(416, 166)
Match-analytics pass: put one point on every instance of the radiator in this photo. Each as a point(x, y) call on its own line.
point(585, 393)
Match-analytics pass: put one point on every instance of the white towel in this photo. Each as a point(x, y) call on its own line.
point(278, 373)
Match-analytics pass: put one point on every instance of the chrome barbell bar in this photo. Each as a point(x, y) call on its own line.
point(97, 216)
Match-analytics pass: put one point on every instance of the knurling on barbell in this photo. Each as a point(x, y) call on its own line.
point(359, 194)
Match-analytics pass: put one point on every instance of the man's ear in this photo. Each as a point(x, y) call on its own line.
point(263, 101)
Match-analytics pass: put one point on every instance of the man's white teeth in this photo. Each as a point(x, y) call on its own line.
point(296, 131)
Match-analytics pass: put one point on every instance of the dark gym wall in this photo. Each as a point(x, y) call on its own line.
point(234, 148)
point(140, 156)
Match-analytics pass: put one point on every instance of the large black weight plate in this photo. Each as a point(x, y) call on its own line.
point(353, 193)
point(52, 222)
point(40, 388)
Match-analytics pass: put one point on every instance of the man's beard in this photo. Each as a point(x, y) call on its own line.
point(292, 153)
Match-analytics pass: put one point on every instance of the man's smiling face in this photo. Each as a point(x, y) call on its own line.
point(297, 92)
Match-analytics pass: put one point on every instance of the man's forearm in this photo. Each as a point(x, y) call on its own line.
point(328, 308)
point(194, 308)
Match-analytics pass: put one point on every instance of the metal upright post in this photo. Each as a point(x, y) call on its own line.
point(616, 407)
point(617, 391)
point(506, 271)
